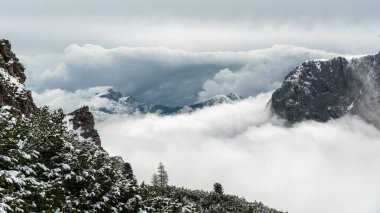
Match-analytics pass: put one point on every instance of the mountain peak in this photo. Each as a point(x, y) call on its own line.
point(324, 89)
point(112, 94)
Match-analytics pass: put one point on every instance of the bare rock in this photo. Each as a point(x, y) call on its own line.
point(324, 89)
point(12, 78)
point(10, 62)
point(83, 118)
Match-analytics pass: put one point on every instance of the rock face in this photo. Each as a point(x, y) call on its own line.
point(10, 62)
point(12, 78)
point(119, 164)
point(83, 118)
point(324, 89)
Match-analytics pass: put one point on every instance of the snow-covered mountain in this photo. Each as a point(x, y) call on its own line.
point(104, 101)
point(324, 89)
point(218, 99)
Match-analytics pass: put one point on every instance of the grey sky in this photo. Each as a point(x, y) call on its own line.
point(50, 26)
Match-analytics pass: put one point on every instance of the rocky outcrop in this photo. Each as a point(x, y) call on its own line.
point(82, 118)
point(119, 164)
point(10, 62)
point(12, 78)
point(324, 89)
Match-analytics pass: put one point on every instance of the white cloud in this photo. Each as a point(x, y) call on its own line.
point(263, 73)
point(166, 76)
point(70, 101)
point(311, 167)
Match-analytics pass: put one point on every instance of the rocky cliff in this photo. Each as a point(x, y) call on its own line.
point(324, 89)
point(12, 78)
point(82, 118)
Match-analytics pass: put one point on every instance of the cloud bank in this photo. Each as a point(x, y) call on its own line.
point(166, 76)
point(70, 101)
point(311, 167)
point(264, 73)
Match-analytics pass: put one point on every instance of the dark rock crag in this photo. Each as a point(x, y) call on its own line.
point(12, 78)
point(10, 62)
point(83, 118)
point(324, 89)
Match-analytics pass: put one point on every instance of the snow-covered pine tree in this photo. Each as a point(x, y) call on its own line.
point(128, 171)
point(44, 168)
point(154, 180)
point(218, 188)
point(162, 175)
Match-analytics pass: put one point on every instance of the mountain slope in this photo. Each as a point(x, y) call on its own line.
point(48, 162)
point(324, 89)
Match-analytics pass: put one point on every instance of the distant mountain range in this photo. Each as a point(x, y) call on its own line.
point(104, 101)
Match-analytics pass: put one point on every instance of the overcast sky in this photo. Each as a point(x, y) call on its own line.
point(345, 26)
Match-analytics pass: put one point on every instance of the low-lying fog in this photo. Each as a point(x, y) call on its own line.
point(310, 167)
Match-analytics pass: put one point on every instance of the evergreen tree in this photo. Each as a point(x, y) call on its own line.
point(218, 188)
point(155, 180)
point(128, 170)
point(45, 168)
point(162, 175)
